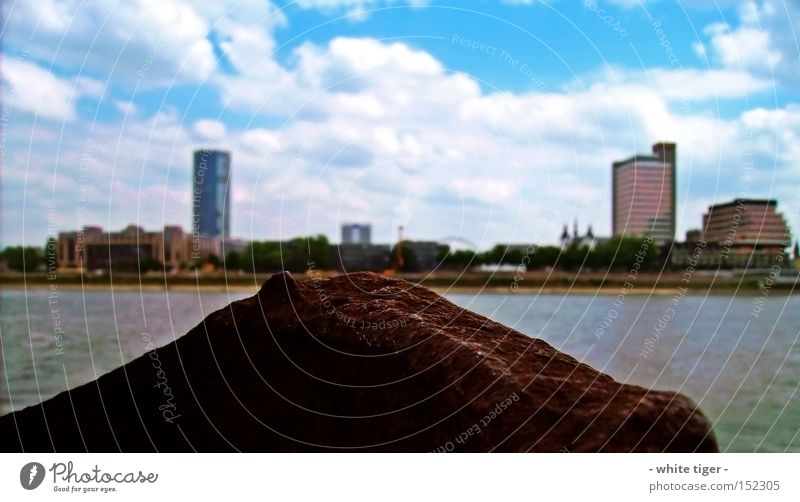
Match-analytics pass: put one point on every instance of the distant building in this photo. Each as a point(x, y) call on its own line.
point(747, 231)
point(72, 247)
point(211, 193)
point(643, 195)
point(426, 253)
point(226, 246)
point(587, 239)
point(796, 260)
point(356, 251)
point(133, 247)
point(355, 233)
point(357, 257)
point(746, 222)
point(694, 235)
point(743, 233)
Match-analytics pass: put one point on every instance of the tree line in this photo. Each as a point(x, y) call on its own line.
point(618, 253)
point(296, 255)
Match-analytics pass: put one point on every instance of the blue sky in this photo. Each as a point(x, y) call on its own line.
point(489, 121)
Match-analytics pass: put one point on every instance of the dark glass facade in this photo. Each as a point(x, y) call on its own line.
point(211, 193)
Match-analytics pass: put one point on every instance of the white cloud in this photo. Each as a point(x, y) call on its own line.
point(699, 50)
point(628, 4)
point(246, 34)
point(681, 84)
point(745, 47)
point(376, 129)
point(112, 39)
point(373, 124)
point(764, 43)
point(207, 129)
point(30, 88)
point(356, 10)
point(260, 141)
point(154, 42)
point(358, 77)
point(125, 107)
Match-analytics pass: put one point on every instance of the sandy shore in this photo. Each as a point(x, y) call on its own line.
point(535, 282)
point(643, 290)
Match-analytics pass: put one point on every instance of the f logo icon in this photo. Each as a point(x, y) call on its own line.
point(31, 475)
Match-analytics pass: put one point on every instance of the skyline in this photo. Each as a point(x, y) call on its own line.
point(649, 213)
point(352, 233)
point(488, 119)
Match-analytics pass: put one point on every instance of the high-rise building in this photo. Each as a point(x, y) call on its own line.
point(211, 193)
point(643, 195)
point(355, 233)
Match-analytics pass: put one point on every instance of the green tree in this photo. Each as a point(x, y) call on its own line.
point(293, 255)
point(459, 259)
point(544, 256)
point(23, 259)
point(233, 261)
point(574, 257)
point(262, 257)
point(319, 251)
point(502, 254)
point(621, 253)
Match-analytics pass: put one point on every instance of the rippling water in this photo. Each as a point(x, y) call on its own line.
point(741, 365)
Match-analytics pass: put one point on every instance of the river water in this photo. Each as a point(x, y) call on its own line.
point(741, 363)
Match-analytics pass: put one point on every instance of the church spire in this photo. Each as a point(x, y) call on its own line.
point(565, 234)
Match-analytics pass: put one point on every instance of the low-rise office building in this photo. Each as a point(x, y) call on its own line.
point(133, 249)
point(93, 249)
point(741, 234)
point(360, 257)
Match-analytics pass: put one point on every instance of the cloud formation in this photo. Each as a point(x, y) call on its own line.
point(362, 129)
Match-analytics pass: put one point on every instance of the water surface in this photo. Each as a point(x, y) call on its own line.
point(740, 365)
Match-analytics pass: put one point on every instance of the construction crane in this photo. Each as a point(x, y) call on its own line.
point(397, 261)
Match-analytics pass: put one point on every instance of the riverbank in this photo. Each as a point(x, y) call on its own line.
point(587, 283)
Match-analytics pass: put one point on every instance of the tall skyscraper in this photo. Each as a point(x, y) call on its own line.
point(643, 195)
point(354, 233)
point(211, 193)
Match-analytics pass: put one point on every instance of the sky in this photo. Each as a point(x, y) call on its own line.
point(487, 121)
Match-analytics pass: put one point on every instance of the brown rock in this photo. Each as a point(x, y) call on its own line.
point(356, 362)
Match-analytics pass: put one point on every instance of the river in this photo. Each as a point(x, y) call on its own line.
point(739, 361)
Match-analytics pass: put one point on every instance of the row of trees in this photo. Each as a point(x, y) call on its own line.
point(24, 258)
point(296, 254)
point(617, 253)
